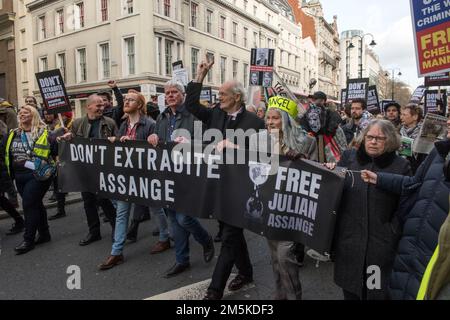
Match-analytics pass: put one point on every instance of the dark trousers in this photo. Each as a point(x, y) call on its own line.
point(90, 207)
point(32, 192)
point(9, 208)
point(60, 196)
point(234, 252)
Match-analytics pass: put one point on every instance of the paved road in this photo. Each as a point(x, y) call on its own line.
point(41, 273)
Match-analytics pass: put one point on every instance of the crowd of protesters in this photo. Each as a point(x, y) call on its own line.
point(393, 213)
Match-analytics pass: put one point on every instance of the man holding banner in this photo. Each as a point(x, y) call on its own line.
point(229, 114)
point(96, 126)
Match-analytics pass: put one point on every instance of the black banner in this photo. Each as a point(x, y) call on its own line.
point(373, 104)
point(298, 202)
point(357, 89)
point(437, 80)
point(435, 102)
point(53, 91)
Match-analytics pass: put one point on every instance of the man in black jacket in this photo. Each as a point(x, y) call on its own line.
point(230, 113)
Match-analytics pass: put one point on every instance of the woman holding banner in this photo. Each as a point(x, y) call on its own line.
point(367, 231)
point(284, 136)
point(30, 151)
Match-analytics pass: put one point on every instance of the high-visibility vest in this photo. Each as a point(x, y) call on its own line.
point(426, 276)
point(41, 147)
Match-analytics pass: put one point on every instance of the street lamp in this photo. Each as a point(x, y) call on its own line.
point(361, 42)
point(393, 79)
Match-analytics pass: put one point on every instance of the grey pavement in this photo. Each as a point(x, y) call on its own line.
point(42, 273)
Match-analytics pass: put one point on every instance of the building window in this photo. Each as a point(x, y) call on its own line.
point(222, 27)
point(255, 39)
point(79, 15)
point(245, 74)
point(209, 18)
point(105, 61)
point(128, 7)
point(42, 28)
point(104, 10)
point(167, 8)
point(194, 14)
point(235, 69)
point(194, 62)
point(61, 64)
point(159, 55)
point(60, 21)
point(245, 37)
point(24, 70)
point(235, 27)
point(223, 69)
point(43, 64)
point(81, 65)
point(210, 57)
point(130, 56)
point(168, 56)
point(22, 39)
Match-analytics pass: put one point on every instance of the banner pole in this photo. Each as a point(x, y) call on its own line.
point(61, 120)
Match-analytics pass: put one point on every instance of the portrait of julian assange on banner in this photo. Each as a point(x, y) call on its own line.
point(357, 89)
point(298, 202)
point(53, 91)
point(431, 27)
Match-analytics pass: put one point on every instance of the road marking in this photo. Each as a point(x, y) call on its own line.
point(196, 291)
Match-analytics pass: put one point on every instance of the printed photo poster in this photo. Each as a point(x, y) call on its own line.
point(261, 67)
point(357, 89)
point(206, 94)
point(430, 25)
point(438, 80)
point(435, 102)
point(434, 128)
point(53, 91)
point(406, 147)
point(418, 94)
point(344, 96)
point(373, 104)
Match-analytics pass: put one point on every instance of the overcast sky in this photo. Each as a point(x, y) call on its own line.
point(390, 22)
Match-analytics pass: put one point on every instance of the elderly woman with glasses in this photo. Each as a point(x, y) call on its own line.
point(367, 231)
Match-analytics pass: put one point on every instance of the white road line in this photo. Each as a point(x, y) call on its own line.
point(195, 291)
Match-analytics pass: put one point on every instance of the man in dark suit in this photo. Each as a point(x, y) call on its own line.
point(230, 113)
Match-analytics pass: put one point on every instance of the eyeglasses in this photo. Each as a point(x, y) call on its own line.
point(129, 100)
point(377, 139)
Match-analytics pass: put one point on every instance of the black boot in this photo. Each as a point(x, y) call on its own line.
point(61, 213)
point(132, 231)
point(16, 228)
point(24, 247)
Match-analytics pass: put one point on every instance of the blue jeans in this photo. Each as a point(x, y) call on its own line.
point(182, 227)
point(122, 217)
point(162, 223)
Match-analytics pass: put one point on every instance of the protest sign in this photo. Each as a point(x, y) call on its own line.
point(296, 203)
point(373, 105)
point(431, 21)
point(434, 128)
point(181, 76)
point(280, 88)
point(343, 96)
point(406, 147)
point(418, 94)
point(162, 102)
point(261, 67)
point(206, 94)
point(357, 89)
point(434, 102)
point(177, 65)
point(53, 91)
point(438, 80)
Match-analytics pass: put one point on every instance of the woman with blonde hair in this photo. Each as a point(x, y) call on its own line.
point(29, 155)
